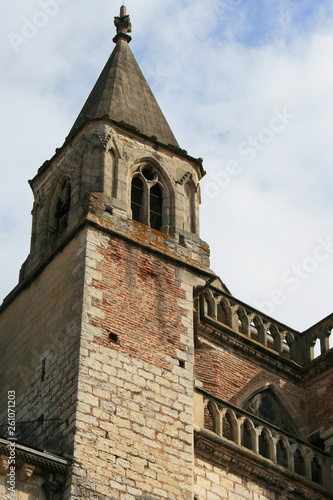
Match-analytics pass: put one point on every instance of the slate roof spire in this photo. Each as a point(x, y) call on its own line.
point(122, 92)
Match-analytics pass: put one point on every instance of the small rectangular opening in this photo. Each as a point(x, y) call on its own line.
point(43, 369)
point(181, 363)
point(113, 337)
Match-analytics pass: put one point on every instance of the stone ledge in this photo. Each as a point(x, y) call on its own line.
point(45, 461)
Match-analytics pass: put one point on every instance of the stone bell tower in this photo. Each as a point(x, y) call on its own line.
point(102, 356)
point(128, 370)
point(146, 178)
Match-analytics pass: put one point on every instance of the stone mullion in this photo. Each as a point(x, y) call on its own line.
point(308, 473)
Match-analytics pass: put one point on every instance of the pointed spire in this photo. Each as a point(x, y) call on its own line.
point(123, 94)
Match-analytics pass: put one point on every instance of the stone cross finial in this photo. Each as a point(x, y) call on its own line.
point(123, 22)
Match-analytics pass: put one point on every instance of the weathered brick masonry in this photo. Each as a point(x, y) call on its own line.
point(134, 417)
point(233, 379)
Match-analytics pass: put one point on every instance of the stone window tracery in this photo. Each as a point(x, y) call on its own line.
point(147, 197)
point(266, 406)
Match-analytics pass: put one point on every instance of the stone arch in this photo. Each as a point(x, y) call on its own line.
point(288, 345)
point(59, 205)
point(327, 341)
point(93, 158)
point(283, 452)
point(190, 222)
point(223, 312)
point(330, 336)
point(317, 474)
point(257, 329)
point(248, 434)
point(299, 461)
point(265, 443)
point(96, 160)
point(208, 302)
point(111, 176)
point(273, 338)
point(242, 321)
point(212, 417)
point(230, 425)
point(158, 195)
point(315, 346)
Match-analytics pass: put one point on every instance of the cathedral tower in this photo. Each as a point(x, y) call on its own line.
point(102, 357)
point(135, 373)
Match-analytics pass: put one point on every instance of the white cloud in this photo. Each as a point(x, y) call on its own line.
point(216, 92)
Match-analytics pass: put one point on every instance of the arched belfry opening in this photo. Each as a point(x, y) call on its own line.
point(150, 197)
point(60, 207)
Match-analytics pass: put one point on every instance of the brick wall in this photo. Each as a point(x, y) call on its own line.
point(319, 400)
point(233, 379)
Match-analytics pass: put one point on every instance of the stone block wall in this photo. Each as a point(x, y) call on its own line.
point(39, 336)
point(23, 492)
point(213, 483)
point(134, 418)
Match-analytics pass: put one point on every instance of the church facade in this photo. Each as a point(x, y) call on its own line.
point(128, 369)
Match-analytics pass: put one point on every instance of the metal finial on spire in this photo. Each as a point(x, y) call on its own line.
point(123, 22)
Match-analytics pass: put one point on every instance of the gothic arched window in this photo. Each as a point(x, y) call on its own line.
point(62, 206)
point(267, 406)
point(147, 197)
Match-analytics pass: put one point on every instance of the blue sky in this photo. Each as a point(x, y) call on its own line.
point(247, 85)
